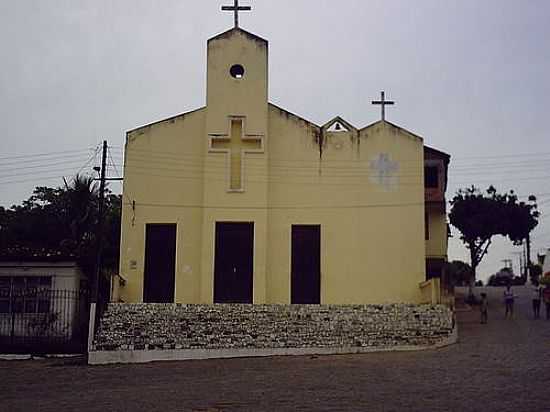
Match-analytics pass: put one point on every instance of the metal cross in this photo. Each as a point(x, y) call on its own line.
point(383, 102)
point(236, 9)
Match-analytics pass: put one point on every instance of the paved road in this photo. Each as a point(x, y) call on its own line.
point(502, 366)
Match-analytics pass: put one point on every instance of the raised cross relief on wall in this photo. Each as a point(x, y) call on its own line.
point(235, 146)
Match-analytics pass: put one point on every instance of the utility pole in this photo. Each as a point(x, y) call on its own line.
point(520, 261)
point(528, 251)
point(525, 263)
point(99, 248)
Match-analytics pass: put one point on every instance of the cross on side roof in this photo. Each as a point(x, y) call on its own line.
point(383, 102)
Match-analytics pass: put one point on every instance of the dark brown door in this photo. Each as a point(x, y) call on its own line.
point(306, 264)
point(160, 263)
point(234, 262)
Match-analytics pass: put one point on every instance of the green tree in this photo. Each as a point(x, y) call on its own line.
point(61, 221)
point(461, 273)
point(479, 216)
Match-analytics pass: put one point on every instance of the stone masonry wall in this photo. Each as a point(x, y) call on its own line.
point(127, 327)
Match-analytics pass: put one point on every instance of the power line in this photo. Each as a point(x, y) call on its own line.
point(40, 177)
point(453, 158)
point(359, 206)
point(112, 161)
point(39, 173)
point(43, 154)
point(44, 161)
point(198, 161)
point(47, 165)
point(454, 161)
point(220, 162)
point(93, 157)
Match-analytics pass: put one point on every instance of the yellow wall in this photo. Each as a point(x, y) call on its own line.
point(164, 176)
point(436, 245)
point(372, 228)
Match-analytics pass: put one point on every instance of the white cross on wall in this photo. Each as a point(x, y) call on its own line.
point(384, 170)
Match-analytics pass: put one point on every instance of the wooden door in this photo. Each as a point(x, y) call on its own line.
point(160, 263)
point(234, 262)
point(306, 264)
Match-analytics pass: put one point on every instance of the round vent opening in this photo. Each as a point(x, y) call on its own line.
point(237, 71)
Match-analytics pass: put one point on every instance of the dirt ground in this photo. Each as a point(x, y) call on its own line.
point(501, 366)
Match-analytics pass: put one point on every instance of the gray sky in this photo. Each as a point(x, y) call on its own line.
point(472, 77)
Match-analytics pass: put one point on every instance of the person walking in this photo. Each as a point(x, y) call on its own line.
point(546, 297)
point(509, 302)
point(537, 296)
point(484, 307)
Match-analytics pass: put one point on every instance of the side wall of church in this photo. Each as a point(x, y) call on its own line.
point(367, 195)
point(164, 177)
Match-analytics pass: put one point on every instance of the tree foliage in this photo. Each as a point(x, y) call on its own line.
point(61, 222)
point(481, 215)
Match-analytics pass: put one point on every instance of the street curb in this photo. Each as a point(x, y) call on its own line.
point(146, 356)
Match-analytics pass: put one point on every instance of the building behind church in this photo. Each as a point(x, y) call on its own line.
point(242, 201)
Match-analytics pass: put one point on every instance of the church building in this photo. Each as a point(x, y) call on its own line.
point(241, 201)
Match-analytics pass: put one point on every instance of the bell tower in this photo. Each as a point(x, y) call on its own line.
point(236, 173)
point(237, 82)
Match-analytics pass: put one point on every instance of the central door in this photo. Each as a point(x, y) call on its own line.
point(306, 264)
point(234, 262)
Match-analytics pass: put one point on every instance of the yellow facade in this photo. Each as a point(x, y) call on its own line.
point(242, 159)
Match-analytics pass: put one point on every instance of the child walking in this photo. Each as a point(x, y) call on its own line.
point(537, 296)
point(509, 302)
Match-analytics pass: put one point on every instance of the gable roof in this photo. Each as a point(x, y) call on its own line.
point(247, 34)
point(340, 120)
point(401, 129)
point(177, 116)
point(438, 153)
point(289, 113)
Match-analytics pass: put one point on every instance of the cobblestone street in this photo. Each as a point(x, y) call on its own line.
point(502, 366)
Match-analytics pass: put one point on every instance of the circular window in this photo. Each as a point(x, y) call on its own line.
point(237, 71)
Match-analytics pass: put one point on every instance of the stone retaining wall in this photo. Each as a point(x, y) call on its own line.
point(255, 330)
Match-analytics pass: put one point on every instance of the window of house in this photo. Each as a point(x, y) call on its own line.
point(431, 177)
point(25, 294)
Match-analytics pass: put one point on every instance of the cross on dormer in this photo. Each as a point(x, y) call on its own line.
point(236, 9)
point(383, 102)
point(235, 146)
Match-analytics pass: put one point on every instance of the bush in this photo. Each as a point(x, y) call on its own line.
point(518, 281)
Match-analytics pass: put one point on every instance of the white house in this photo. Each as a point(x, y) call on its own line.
point(42, 300)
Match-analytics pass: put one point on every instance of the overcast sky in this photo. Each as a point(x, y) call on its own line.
point(471, 77)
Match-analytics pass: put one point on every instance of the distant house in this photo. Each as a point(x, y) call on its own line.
point(546, 263)
point(42, 301)
point(436, 166)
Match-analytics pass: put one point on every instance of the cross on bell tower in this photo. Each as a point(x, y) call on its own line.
point(383, 102)
point(236, 9)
